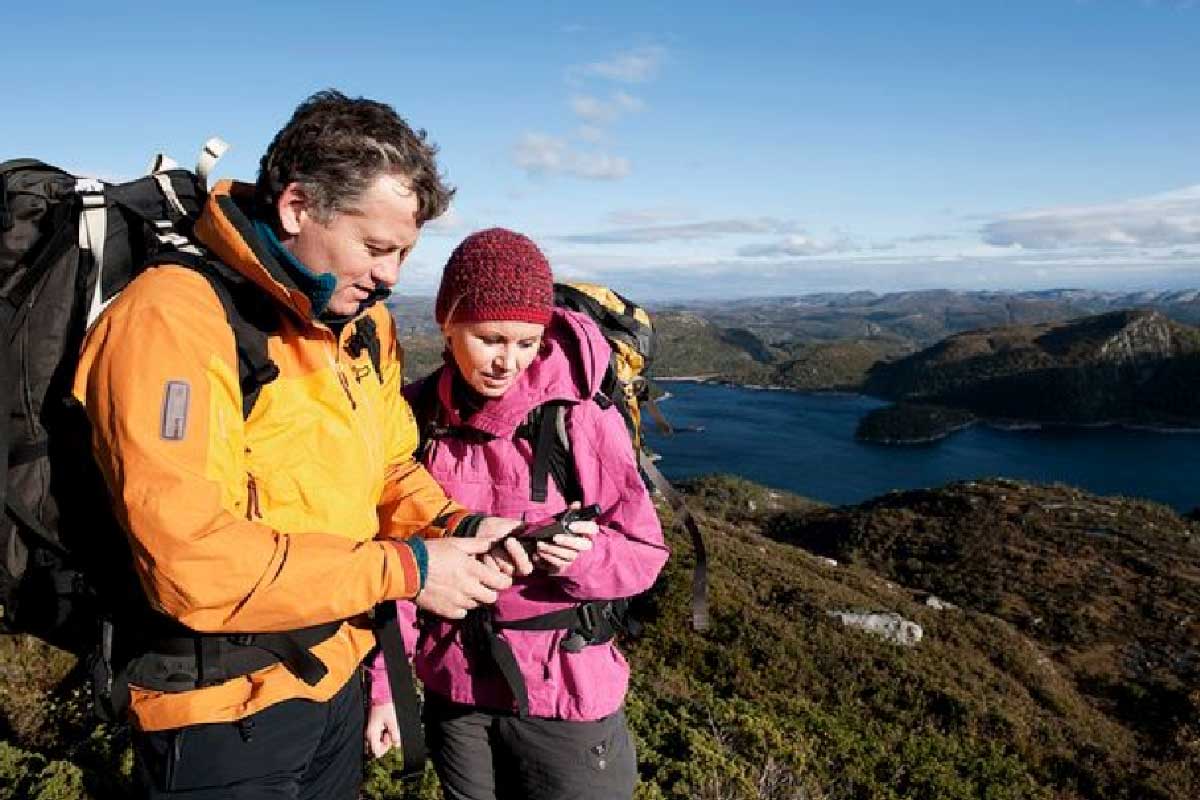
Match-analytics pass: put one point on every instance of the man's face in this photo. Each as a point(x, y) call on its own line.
point(363, 247)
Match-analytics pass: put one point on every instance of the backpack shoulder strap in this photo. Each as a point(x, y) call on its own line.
point(249, 315)
point(425, 410)
point(546, 428)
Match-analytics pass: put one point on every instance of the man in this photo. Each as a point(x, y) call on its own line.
point(304, 515)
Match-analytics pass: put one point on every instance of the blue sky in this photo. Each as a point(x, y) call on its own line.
point(691, 149)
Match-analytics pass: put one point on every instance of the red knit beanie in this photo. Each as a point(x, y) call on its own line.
point(496, 274)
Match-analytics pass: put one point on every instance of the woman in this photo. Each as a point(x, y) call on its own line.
point(513, 361)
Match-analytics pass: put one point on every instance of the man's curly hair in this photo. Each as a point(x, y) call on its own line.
point(335, 147)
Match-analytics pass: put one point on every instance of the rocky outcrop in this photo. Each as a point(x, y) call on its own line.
point(888, 626)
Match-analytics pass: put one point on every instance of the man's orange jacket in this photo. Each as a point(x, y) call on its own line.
point(268, 524)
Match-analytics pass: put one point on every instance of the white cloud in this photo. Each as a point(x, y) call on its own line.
point(1163, 220)
point(660, 279)
point(643, 217)
point(591, 134)
point(447, 224)
point(683, 232)
point(799, 245)
point(595, 111)
point(540, 154)
point(632, 66)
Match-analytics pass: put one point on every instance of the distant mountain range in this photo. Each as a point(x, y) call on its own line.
point(1133, 366)
point(821, 341)
point(922, 317)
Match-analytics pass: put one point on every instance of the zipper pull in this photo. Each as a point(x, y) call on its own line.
point(253, 509)
point(346, 389)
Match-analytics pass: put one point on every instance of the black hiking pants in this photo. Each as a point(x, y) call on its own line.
point(297, 749)
point(485, 755)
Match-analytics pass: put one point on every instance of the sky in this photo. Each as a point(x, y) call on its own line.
point(679, 150)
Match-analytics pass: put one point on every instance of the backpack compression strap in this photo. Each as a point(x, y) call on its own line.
point(688, 520)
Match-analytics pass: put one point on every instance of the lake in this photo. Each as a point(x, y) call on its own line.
point(805, 443)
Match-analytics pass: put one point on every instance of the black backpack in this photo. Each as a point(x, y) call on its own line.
point(68, 245)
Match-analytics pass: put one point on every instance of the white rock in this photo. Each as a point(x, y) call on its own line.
point(938, 604)
point(892, 627)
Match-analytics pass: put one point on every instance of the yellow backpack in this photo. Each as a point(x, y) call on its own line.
point(630, 332)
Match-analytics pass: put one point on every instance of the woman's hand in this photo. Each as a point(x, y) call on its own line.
point(382, 731)
point(561, 551)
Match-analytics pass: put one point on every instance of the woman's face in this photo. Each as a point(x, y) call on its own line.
point(492, 355)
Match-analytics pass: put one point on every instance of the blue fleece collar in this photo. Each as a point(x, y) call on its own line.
point(317, 287)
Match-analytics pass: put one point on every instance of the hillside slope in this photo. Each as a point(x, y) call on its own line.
point(1060, 661)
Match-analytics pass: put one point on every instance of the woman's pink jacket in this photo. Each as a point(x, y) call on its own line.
point(491, 474)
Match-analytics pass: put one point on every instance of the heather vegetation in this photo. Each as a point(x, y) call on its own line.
point(1059, 657)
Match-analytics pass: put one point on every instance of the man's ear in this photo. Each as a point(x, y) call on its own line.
point(294, 207)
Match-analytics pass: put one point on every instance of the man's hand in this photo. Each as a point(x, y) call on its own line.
point(509, 557)
point(456, 580)
point(495, 528)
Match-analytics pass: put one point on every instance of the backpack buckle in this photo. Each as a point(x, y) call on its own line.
point(584, 633)
point(242, 639)
point(91, 190)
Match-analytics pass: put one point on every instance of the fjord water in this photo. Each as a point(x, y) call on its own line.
point(805, 443)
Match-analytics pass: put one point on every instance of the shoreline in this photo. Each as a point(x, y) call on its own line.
point(1004, 424)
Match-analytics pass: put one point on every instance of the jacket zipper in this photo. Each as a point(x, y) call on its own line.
point(253, 509)
point(345, 386)
point(337, 367)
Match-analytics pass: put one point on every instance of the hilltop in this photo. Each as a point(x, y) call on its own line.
point(1133, 367)
point(1057, 657)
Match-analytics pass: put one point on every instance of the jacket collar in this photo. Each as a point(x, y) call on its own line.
point(569, 368)
point(226, 229)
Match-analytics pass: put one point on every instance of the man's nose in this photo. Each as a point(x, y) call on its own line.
point(386, 271)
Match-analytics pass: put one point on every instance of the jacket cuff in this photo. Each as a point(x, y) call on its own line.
point(421, 554)
point(403, 573)
point(450, 524)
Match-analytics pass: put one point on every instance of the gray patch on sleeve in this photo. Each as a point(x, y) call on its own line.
point(176, 399)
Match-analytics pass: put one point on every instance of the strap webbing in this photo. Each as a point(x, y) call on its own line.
point(589, 623)
point(543, 449)
point(32, 526)
point(664, 427)
point(685, 517)
point(481, 630)
point(210, 154)
point(92, 234)
point(404, 692)
point(297, 658)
